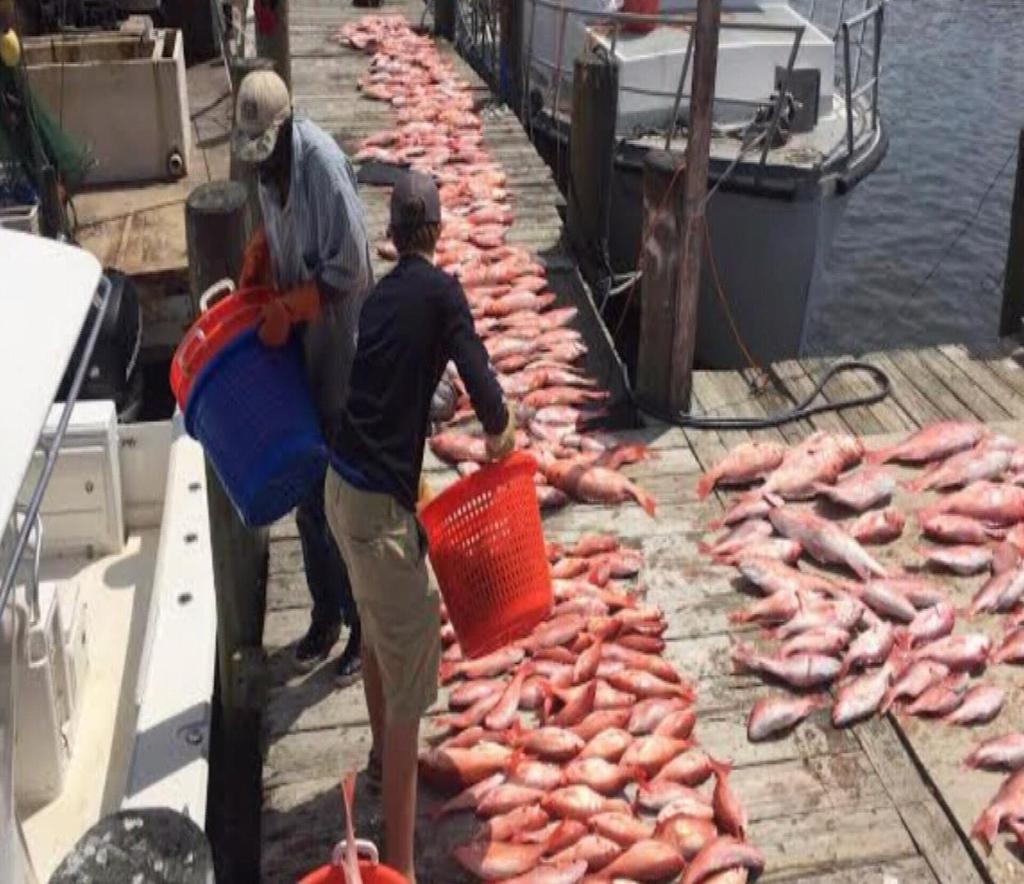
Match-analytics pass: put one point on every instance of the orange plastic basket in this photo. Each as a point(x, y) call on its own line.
point(487, 549)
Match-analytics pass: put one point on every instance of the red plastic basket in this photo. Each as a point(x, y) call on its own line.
point(372, 874)
point(641, 7)
point(370, 869)
point(210, 333)
point(487, 549)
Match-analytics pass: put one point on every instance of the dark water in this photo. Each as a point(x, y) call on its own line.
point(953, 100)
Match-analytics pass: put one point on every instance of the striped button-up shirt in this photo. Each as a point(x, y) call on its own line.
point(320, 233)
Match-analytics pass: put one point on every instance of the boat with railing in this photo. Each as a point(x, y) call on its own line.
point(107, 606)
point(796, 126)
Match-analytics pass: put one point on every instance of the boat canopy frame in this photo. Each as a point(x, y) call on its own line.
point(25, 521)
point(478, 38)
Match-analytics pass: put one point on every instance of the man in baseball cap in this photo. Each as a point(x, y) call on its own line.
point(415, 321)
point(313, 250)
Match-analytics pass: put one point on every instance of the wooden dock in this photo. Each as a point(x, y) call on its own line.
point(877, 802)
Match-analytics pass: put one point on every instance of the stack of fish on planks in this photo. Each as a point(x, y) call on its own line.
point(889, 638)
point(531, 343)
point(575, 747)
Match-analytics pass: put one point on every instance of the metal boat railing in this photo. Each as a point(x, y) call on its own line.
point(478, 39)
point(23, 527)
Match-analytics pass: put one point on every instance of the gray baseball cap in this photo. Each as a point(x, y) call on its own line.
point(262, 108)
point(415, 201)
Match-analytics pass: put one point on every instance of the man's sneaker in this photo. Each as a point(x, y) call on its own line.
point(350, 663)
point(314, 647)
point(374, 772)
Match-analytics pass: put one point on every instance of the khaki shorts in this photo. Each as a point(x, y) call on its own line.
point(385, 551)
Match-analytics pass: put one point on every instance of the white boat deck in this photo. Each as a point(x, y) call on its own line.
point(116, 591)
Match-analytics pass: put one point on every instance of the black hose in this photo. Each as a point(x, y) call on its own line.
point(797, 412)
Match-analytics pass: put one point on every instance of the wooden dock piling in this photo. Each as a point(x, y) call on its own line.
point(444, 19)
point(216, 230)
point(664, 222)
point(511, 49)
point(702, 99)
point(273, 41)
point(595, 90)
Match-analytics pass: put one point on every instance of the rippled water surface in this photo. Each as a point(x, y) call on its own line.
point(953, 100)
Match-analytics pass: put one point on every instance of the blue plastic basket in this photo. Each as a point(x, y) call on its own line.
point(251, 410)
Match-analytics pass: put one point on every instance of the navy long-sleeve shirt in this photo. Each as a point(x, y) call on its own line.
point(413, 323)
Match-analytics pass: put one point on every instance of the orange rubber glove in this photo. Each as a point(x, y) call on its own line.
point(255, 270)
point(299, 304)
point(425, 494)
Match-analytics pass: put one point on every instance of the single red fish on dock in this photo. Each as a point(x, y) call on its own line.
point(777, 714)
point(746, 463)
point(860, 490)
point(878, 527)
point(825, 541)
point(932, 442)
point(998, 753)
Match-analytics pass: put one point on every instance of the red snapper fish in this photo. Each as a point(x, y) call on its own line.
point(736, 539)
point(1007, 804)
point(647, 860)
point(974, 465)
point(860, 490)
point(931, 623)
point(1011, 648)
point(593, 484)
point(595, 850)
point(950, 528)
point(980, 705)
point(688, 835)
point(941, 698)
point(998, 753)
point(933, 442)
point(861, 696)
point(622, 828)
point(552, 873)
point(958, 652)
point(499, 859)
point(776, 714)
point(878, 526)
point(730, 815)
point(772, 576)
point(999, 593)
point(799, 670)
point(721, 854)
point(580, 803)
point(988, 502)
point(963, 560)
point(821, 458)
point(746, 463)
point(917, 679)
point(455, 448)
point(452, 768)
point(825, 541)
point(779, 548)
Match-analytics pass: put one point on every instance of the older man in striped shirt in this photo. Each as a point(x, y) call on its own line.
point(313, 249)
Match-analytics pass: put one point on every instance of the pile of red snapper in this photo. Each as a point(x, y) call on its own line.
point(575, 747)
point(883, 638)
point(532, 344)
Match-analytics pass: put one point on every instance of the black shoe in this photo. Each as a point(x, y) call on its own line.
point(316, 644)
point(350, 663)
point(374, 772)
